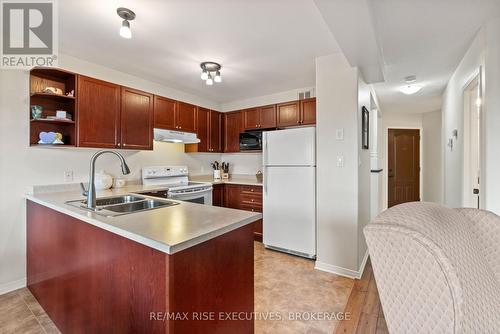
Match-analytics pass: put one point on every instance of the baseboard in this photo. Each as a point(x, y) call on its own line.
point(343, 271)
point(11, 286)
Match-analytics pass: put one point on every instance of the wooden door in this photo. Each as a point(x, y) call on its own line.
point(232, 196)
point(251, 118)
point(164, 112)
point(186, 117)
point(215, 142)
point(136, 120)
point(98, 119)
point(288, 114)
point(267, 117)
point(308, 111)
point(232, 128)
point(403, 166)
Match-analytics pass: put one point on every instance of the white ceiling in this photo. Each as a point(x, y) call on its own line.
point(426, 38)
point(264, 46)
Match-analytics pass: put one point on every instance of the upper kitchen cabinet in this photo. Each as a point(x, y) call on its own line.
point(186, 117)
point(203, 129)
point(288, 114)
point(308, 111)
point(267, 117)
point(215, 126)
point(136, 119)
point(98, 113)
point(233, 125)
point(164, 111)
point(260, 118)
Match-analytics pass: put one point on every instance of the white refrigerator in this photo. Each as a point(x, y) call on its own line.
point(289, 158)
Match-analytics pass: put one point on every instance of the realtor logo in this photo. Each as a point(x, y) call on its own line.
point(28, 34)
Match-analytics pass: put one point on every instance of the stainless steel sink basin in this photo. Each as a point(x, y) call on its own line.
point(122, 205)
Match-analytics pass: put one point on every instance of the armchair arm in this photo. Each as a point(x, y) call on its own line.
point(486, 230)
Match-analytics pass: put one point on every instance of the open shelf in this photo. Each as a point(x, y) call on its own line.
point(52, 96)
point(40, 79)
point(52, 146)
point(59, 121)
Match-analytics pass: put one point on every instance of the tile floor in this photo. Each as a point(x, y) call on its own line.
point(283, 284)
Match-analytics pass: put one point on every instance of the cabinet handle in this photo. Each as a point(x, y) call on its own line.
point(298, 122)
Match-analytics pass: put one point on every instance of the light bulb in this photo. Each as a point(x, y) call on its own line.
point(204, 75)
point(209, 81)
point(125, 31)
point(217, 78)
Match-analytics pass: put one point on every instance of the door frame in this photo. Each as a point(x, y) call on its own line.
point(475, 78)
point(385, 181)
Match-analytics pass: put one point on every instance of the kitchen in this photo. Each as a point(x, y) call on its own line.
point(152, 127)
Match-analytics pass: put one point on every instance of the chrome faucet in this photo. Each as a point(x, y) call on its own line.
point(90, 193)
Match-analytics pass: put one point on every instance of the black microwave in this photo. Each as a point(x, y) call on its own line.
point(251, 141)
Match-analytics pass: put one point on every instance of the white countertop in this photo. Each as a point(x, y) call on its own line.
point(169, 229)
point(247, 180)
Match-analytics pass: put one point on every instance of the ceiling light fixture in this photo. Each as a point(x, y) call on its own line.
point(410, 87)
point(127, 15)
point(209, 67)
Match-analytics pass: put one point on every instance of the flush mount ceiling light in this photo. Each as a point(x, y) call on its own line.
point(127, 15)
point(410, 87)
point(210, 72)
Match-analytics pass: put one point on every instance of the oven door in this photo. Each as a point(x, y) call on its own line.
point(203, 196)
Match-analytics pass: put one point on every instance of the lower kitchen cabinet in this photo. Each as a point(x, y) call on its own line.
point(218, 195)
point(247, 198)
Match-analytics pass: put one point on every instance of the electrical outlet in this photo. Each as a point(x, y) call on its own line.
point(340, 161)
point(339, 134)
point(68, 176)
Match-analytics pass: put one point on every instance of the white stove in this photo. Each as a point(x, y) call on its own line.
point(173, 182)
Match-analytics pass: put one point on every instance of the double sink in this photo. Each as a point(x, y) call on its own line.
point(122, 205)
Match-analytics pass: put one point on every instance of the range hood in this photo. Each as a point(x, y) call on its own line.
point(171, 136)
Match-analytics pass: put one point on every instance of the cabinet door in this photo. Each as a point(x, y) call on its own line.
point(164, 112)
point(251, 118)
point(267, 117)
point(232, 194)
point(186, 117)
point(136, 120)
point(218, 195)
point(215, 143)
point(203, 129)
point(288, 114)
point(232, 129)
point(98, 113)
point(308, 111)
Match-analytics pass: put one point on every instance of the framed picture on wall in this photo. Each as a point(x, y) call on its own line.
point(365, 128)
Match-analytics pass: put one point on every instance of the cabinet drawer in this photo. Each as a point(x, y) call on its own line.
point(250, 207)
point(251, 190)
point(251, 199)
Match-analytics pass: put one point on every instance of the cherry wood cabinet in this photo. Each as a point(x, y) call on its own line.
point(98, 105)
point(267, 117)
point(164, 111)
point(233, 125)
point(203, 129)
point(214, 132)
point(288, 114)
point(247, 198)
point(260, 118)
point(136, 119)
point(308, 111)
point(218, 195)
point(186, 117)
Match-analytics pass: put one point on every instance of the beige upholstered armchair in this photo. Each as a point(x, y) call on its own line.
point(437, 269)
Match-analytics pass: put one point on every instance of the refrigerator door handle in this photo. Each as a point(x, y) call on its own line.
point(265, 148)
point(265, 179)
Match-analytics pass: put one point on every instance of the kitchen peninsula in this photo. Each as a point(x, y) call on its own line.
point(178, 269)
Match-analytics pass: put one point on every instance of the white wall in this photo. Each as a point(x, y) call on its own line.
point(432, 157)
point(400, 120)
point(22, 166)
point(243, 163)
point(338, 227)
point(453, 118)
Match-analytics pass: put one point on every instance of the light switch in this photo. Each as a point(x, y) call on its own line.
point(339, 134)
point(340, 161)
point(68, 176)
